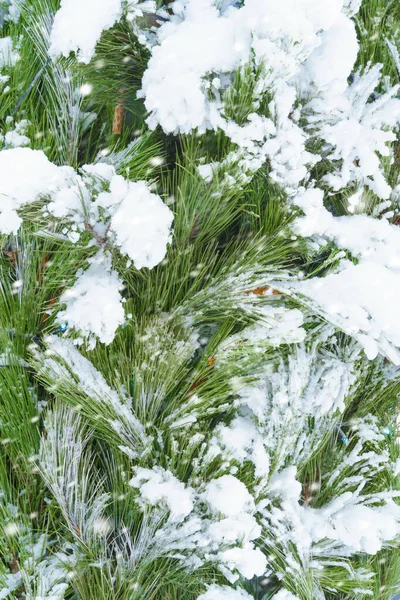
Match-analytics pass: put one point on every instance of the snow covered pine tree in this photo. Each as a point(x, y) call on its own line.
point(200, 282)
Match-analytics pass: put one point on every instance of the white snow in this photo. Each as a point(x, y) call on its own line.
point(78, 25)
point(247, 560)
point(228, 496)
point(362, 301)
point(158, 486)
point(284, 595)
point(141, 225)
point(307, 49)
point(111, 208)
point(351, 522)
point(126, 213)
point(223, 592)
point(94, 304)
point(8, 56)
point(360, 298)
point(26, 176)
point(330, 64)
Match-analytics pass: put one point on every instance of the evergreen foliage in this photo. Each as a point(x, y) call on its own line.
point(183, 414)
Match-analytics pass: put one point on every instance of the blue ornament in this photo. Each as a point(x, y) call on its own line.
point(62, 327)
point(387, 431)
point(345, 440)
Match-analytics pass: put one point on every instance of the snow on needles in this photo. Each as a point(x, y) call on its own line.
point(352, 298)
point(78, 25)
point(94, 304)
point(223, 592)
point(26, 175)
point(116, 212)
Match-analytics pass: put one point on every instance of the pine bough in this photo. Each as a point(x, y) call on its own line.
point(200, 343)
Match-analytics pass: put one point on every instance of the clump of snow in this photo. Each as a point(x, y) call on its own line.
point(94, 304)
point(242, 441)
point(204, 524)
point(296, 44)
point(14, 138)
point(360, 298)
point(141, 224)
point(300, 54)
point(124, 213)
point(358, 133)
point(223, 592)
point(158, 486)
point(8, 56)
point(228, 496)
point(331, 62)
point(209, 42)
point(78, 25)
point(284, 595)
point(26, 176)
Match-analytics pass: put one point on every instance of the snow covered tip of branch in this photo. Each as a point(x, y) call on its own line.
point(126, 213)
point(361, 298)
point(94, 306)
point(78, 25)
point(25, 176)
point(214, 524)
point(280, 34)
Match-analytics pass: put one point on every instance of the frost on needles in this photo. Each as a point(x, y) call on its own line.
point(200, 346)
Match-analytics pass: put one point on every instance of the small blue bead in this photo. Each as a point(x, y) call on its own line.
point(345, 440)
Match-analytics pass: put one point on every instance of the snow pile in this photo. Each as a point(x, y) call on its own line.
point(361, 300)
point(78, 25)
point(126, 213)
point(208, 42)
point(228, 496)
point(140, 223)
point(14, 138)
point(94, 304)
point(297, 53)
